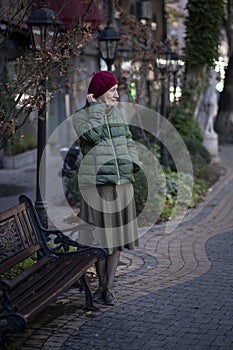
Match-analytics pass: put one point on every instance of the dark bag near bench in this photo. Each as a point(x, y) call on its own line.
point(55, 269)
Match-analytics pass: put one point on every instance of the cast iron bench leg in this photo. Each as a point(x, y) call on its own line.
point(88, 295)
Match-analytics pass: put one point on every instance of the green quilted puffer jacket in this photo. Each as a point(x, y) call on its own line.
point(109, 152)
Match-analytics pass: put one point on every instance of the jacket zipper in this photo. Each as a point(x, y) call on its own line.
point(114, 152)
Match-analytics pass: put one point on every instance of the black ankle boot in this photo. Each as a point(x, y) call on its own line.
point(98, 295)
point(109, 298)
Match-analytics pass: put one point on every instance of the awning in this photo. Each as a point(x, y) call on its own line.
point(72, 11)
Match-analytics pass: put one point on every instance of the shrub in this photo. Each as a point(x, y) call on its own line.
point(199, 154)
point(17, 269)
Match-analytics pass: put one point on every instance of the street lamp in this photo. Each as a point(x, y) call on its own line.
point(163, 58)
point(108, 41)
point(43, 26)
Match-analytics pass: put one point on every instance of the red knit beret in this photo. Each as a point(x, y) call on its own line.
point(101, 82)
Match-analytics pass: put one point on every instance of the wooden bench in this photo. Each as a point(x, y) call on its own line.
point(57, 267)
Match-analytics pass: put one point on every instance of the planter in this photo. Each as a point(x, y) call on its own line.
point(19, 160)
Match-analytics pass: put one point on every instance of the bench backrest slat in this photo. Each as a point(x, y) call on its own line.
point(18, 239)
point(31, 236)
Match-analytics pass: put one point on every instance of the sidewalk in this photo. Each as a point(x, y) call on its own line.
point(174, 292)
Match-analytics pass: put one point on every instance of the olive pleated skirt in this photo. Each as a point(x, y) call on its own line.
point(110, 209)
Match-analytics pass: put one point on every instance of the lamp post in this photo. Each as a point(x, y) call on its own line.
point(162, 64)
point(108, 41)
point(43, 26)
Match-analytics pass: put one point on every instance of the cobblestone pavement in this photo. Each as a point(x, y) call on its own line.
point(174, 292)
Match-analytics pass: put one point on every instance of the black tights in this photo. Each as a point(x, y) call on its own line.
point(106, 269)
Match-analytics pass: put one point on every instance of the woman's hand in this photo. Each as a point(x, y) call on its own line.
point(90, 98)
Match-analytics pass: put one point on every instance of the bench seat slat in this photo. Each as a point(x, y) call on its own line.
point(24, 254)
point(56, 289)
point(54, 269)
point(46, 278)
point(29, 272)
point(30, 297)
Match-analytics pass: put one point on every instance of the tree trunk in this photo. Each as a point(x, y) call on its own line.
point(159, 16)
point(224, 120)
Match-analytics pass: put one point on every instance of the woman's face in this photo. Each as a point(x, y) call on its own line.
point(110, 97)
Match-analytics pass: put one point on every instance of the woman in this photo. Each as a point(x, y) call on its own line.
point(106, 175)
